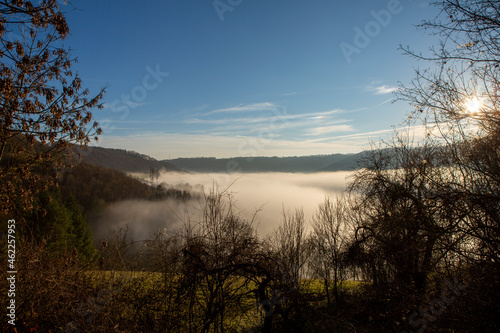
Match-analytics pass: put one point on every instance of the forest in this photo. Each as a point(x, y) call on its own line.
point(412, 244)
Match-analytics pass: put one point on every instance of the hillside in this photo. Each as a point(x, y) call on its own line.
point(129, 161)
point(306, 164)
point(123, 160)
point(95, 187)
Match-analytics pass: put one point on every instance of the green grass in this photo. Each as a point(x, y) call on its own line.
point(138, 287)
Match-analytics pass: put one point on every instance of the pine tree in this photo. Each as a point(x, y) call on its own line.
point(54, 225)
point(62, 225)
point(82, 234)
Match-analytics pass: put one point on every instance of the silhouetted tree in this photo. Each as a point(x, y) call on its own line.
point(460, 97)
point(221, 257)
point(330, 241)
point(289, 249)
point(405, 229)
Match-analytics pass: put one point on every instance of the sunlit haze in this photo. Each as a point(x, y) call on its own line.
point(265, 195)
point(473, 105)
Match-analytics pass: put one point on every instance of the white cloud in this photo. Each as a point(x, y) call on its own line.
point(163, 146)
point(381, 89)
point(360, 135)
point(385, 90)
point(276, 121)
point(415, 132)
point(329, 129)
point(247, 108)
point(223, 144)
point(270, 133)
point(281, 114)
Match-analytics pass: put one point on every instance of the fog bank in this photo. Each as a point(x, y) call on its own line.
point(269, 192)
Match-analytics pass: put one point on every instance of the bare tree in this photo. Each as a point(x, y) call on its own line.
point(330, 240)
point(290, 248)
point(405, 229)
point(460, 97)
point(221, 259)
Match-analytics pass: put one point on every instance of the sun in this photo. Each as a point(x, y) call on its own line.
point(473, 105)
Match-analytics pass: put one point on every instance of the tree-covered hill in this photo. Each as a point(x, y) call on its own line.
point(94, 187)
point(123, 160)
point(306, 164)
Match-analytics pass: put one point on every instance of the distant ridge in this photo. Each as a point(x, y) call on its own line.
point(123, 160)
point(304, 164)
point(131, 161)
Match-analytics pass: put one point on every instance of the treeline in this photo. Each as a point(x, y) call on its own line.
point(80, 194)
point(56, 251)
point(95, 187)
point(121, 159)
point(60, 225)
point(315, 163)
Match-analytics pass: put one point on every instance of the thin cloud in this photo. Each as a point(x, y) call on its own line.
point(319, 115)
point(143, 122)
point(121, 105)
point(227, 121)
point(365, 134)
point(276, 125)
point(330, 129)
point(418, 132)
point(384, 102)
point(194, 110)
point(275, 116)
point(267, 106)
point(383, 90)
point(162, 145)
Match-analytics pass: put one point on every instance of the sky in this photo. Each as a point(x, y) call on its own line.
point(233, 78)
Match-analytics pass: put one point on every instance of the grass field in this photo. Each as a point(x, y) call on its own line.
point(134, 294)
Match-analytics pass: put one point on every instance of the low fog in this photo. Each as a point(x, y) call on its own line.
point(269, 193)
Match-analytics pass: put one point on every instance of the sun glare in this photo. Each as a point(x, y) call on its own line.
point(473, 105)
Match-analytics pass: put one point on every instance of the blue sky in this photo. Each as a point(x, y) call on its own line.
point(231, 78)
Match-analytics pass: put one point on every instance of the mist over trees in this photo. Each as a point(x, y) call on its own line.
point(412, 244)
